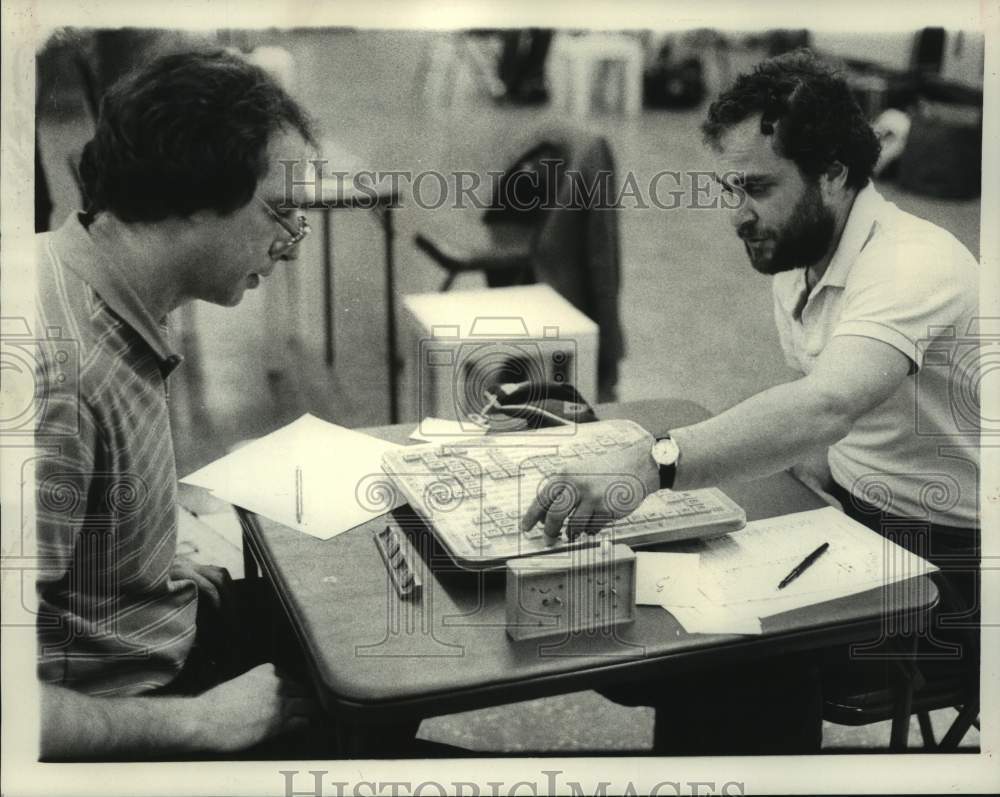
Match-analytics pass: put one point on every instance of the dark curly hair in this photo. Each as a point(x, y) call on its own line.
point(187, 132)
point(810, 106)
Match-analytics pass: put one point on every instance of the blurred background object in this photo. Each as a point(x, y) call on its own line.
point(892, 128)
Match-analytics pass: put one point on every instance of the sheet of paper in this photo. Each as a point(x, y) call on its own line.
point(707, 618)
point(663, 578)
point(744, 568)
point(671, 580)
point(342, 482)
point(441, 430)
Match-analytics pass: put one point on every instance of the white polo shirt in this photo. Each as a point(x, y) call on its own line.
point(912, 285)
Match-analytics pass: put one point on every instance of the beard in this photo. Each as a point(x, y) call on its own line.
point(801, 242)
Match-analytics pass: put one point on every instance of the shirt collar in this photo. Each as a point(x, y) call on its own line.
point(80, 253)
point(860, 227)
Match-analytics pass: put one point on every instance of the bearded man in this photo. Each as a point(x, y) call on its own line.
point(876, 310)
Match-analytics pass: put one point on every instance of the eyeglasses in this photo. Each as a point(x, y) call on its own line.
point(296, 234)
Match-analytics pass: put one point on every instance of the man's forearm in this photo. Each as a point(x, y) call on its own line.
point(80, 726)
point(760, 436)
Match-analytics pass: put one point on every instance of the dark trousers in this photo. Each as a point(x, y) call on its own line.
point(775, 706)
point(948, 644)
point(246, 630)
point(956, 550)
point(767, 707)
point(250, 628)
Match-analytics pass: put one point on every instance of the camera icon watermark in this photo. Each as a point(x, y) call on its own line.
point(966, 359)
point(37, 373)
point(498, 378)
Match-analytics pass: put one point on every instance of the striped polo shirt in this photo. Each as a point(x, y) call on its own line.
point(111, 620)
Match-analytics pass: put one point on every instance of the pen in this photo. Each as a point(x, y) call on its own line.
point(804, 565)
point(298, 494)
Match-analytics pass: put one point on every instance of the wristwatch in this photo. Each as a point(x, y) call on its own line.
point(667, 457)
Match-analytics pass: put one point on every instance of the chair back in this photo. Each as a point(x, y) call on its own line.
point(526, 189)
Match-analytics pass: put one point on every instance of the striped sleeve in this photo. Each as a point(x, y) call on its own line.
point(63, 481)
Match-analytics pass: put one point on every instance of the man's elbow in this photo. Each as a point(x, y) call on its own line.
point(53, 705)
point(833, 415)
point(72, 724)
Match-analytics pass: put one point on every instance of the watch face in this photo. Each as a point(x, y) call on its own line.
point(666, 452)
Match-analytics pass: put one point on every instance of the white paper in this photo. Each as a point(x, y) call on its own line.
point(707, 618)
point(745, 567)
point(343, 484)
point(671, 580)
point(663, 578)
point(441, 430)
point(738, 574)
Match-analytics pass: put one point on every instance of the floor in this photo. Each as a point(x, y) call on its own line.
point(697, 319)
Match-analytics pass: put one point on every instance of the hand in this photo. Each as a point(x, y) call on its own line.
point(221, 626)
point(601, 489)
point(214, 583)
point(251, 708)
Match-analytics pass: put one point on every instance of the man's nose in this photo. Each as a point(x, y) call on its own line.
point(744, 216)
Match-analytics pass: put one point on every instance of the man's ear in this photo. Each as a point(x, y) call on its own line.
point(833, 181)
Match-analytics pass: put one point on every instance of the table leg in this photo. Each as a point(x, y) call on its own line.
point(328, 283)
point(355, 740)
point(250, 569)
point(902, 685)
point(902, 692)
point(390, 313)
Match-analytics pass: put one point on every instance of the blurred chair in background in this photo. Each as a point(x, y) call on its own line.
point(552, 219)
point(454, 59)
point(580, 68)
point(522, 65)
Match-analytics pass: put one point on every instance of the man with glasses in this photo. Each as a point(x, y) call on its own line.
point(139, 653)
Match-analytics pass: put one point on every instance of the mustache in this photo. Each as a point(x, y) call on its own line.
point(745, 231)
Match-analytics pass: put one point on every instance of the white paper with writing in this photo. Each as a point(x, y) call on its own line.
point(343, 484)
point(745, 567)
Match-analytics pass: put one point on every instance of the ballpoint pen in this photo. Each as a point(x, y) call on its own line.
point(298, 494)
point(804, 565)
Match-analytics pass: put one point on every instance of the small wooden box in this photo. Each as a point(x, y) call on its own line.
point(561, 593)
